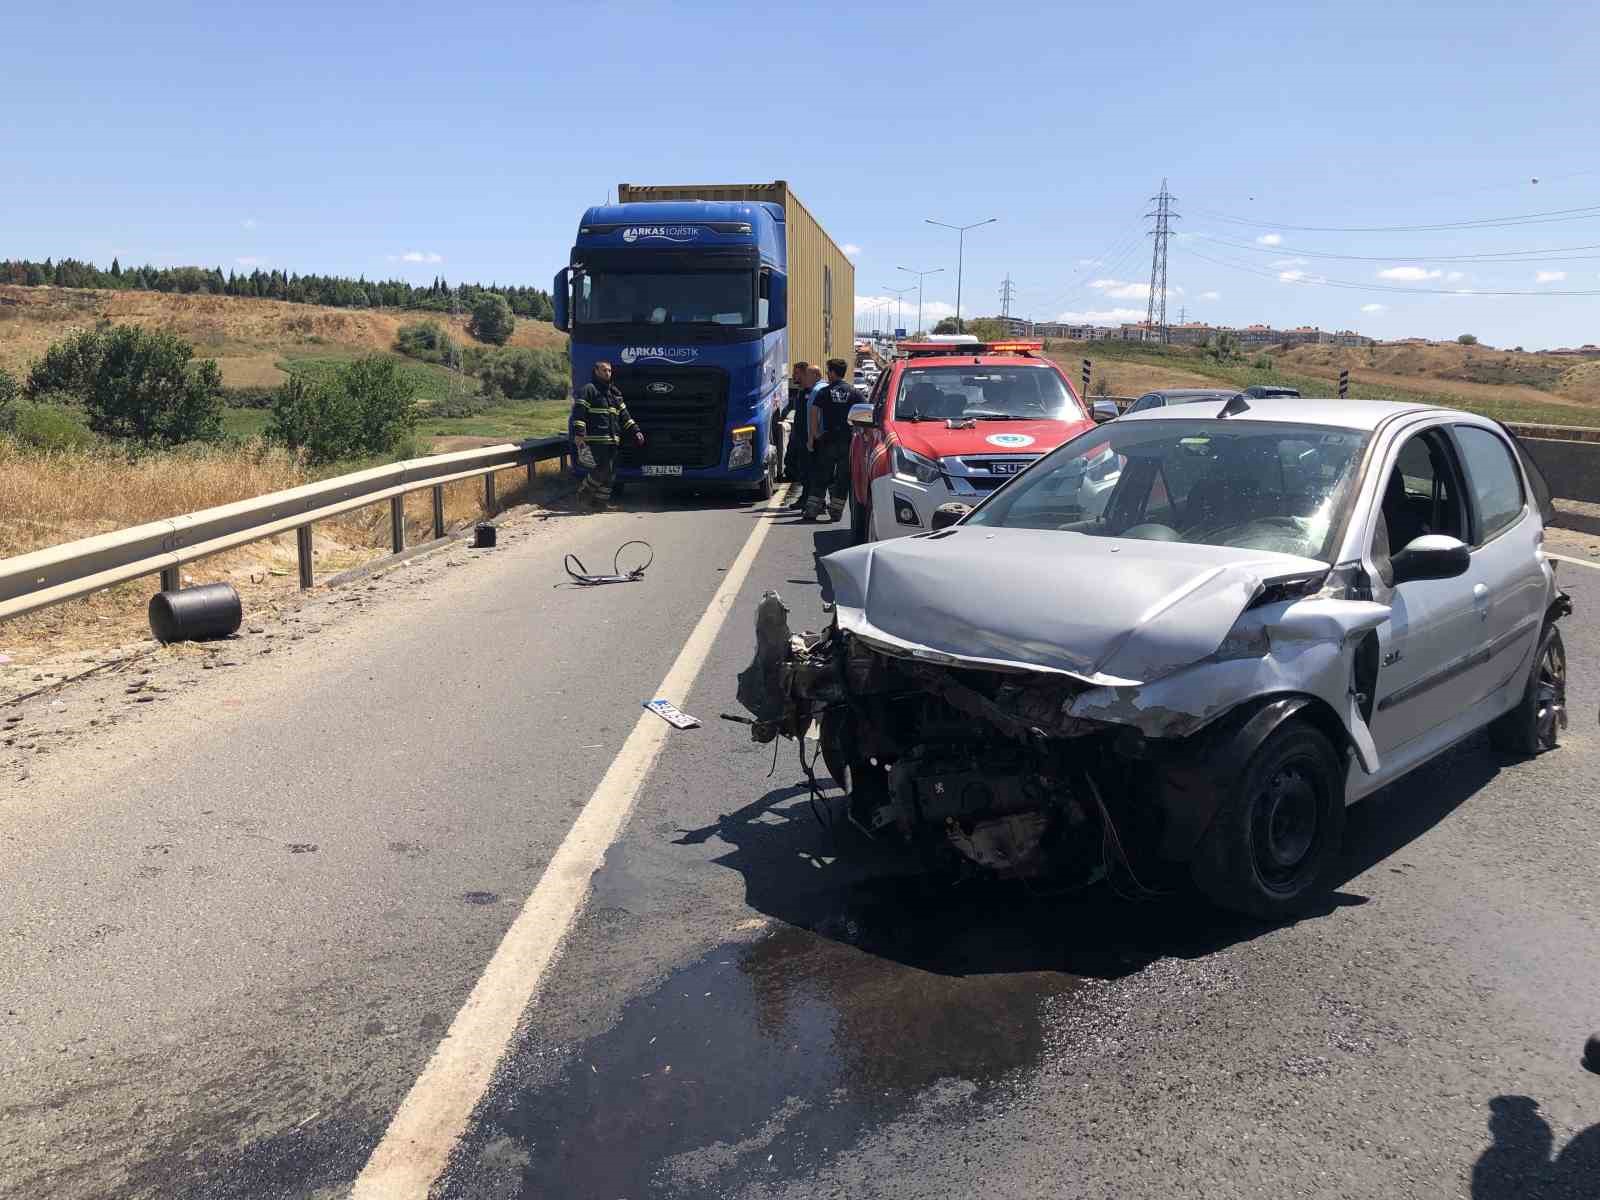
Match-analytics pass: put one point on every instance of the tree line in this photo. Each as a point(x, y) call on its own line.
point(335, 291)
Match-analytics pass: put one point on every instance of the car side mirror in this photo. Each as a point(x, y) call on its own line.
point(1103, 411)
point(1431, 556)
point(860, 415)
point(948, 514)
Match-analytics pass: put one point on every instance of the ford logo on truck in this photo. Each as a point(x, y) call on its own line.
point(666, 354)
point(660, 388)
point(668, 233)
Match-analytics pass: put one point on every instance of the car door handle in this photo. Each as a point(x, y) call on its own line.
point(1480, 600)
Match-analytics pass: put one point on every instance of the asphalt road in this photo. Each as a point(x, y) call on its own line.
point(237, 922)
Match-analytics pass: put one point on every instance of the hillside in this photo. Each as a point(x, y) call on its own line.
point(1506, 384)
point(250, 339)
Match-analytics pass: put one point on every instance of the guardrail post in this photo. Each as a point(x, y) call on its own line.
point(171, 579)
point(488, 492)
point(397, 523)
point(302, 541)
point(533, 469)
point(438, 511)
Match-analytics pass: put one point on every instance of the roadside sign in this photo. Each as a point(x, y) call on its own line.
point(1344, 383)
point(899, 333)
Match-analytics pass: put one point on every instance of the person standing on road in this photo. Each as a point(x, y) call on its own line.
point(794, 454)
point(599, 421)
point(830, 442)
point(814, 384)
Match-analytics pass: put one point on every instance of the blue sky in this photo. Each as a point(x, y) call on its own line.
point(466, 139)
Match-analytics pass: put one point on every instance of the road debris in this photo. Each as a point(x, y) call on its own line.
point(583, 578)
point(670, 713)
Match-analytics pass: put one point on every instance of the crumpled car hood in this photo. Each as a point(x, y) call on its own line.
point(1106, 611)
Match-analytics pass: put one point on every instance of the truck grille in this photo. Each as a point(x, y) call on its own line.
point(683, 412)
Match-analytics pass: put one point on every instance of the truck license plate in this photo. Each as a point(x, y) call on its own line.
point(656, 469)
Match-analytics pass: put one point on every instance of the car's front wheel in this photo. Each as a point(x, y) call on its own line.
point(1275, 839)
point(1535, 724)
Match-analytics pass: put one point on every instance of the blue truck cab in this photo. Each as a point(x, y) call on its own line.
point(687, 300)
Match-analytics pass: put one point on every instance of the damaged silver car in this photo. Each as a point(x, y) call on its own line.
point(1182, 643)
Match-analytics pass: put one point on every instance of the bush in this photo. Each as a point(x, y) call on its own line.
point(135, 384)
point(492, 320)
point(549, 376)
point(10, 389)
point(45, 426)
point(368, 409)
point(505, 371)
point(249, 397)
point(428, 342)
point(459, 406)
point(1262, 362)
point(1468, 339)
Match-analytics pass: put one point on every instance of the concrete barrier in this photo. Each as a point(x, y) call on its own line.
point(1572, 468)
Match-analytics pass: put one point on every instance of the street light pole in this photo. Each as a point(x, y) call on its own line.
point(919, 275)
point(961, 251)
point(897, 293)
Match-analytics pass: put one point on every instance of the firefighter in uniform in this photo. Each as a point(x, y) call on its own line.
point(599, 421)
point(830, 443)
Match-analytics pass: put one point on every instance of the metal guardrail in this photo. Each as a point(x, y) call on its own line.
point(57, 573)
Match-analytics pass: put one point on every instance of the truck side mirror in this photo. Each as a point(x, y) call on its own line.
point(949, 514)
point(560, 298)
point(1103, 411)
point(860, 415)
point(777, 302)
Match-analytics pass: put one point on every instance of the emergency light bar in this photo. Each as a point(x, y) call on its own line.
point(964, 349)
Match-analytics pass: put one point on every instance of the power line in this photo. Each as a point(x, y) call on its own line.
point(1587, 213)
point(1543, 255)
point(1156, 305)
point(1322, 281)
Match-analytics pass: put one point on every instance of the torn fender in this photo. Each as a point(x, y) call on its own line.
point(1305, 647)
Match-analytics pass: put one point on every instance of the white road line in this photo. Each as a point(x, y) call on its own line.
point(432, 1118)
point(1577, 562)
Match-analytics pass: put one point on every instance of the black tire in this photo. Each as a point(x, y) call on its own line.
point(1275, 840)
point(769, 481)
point(859, 516)
point(1535, 724)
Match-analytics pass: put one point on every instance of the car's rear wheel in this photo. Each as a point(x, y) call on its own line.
point(1535, 724)
point(1275, 839)
point(860, 516)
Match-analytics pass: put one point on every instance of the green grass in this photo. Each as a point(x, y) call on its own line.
point(245, 423)
point(513, 421)
point(432, 381)
point(1242, 374)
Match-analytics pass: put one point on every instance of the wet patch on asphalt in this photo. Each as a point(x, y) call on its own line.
point(768, 1056)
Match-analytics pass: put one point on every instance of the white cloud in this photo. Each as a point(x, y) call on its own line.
point(851, 250)
point(1270, 239)
point(1117, 289)
point(1455, 275)
point(1105, 316)
point(250, 260)
point(1550, 277)
point(1409, 274)
point(1211, 295)
point(933, 311)
point(1291, 276)
point(248, 222)
point(1373, 308)
point(417, 256)
point(1279, 264)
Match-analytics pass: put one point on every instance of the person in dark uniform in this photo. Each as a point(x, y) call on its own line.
point(794, 454)
point(600, 419)
point(830, 443)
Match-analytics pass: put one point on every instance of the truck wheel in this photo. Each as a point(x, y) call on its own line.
point(769, 480)
point(1536, 722)
point(859, 517)
point(1275, 840)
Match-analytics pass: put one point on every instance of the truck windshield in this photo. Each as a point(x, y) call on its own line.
point(666, 298)
point(984, 393)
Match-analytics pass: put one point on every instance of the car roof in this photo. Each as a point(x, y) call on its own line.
point(1351, 414)
point(1192, 393)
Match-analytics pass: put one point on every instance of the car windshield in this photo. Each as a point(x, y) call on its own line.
point(1254, 485)
point(950, 392)
point(665, 298)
